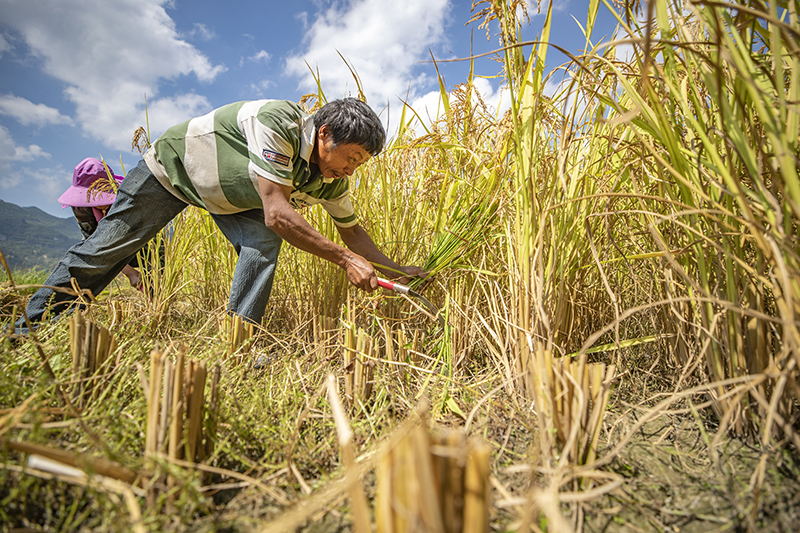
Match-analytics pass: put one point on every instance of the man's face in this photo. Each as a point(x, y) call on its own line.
point(340, 161)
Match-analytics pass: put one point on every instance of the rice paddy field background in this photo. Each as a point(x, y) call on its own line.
point(618, 269)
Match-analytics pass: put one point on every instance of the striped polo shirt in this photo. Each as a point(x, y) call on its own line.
point(214, 161)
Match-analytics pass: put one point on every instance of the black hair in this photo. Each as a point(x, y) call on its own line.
point(352, 121)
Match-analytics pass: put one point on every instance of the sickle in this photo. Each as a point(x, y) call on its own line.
point(405, 289)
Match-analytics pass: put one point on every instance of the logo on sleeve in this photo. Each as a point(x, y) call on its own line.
point(277, 158)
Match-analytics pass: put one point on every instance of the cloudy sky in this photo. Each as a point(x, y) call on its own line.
point(74, 74)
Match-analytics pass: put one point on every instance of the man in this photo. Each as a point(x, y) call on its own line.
point(247, 164)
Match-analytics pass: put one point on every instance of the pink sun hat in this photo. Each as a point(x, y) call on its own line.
point(85, 174)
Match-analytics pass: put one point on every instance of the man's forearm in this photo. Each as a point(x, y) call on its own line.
point(360, 242)
point(281, 218)
point(295, 230)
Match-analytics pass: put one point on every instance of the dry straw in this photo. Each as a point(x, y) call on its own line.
point(359, 364)
point(361, 520)
point(570, 398)
point(91, 346)
point(179, 418)
point(436, 483)
point(239, 333)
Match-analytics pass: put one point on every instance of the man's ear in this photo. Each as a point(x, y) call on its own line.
point(323, 132)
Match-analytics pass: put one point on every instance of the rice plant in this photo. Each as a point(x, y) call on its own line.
point(619, 248)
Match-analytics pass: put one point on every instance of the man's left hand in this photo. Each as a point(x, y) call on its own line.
point(411, 272)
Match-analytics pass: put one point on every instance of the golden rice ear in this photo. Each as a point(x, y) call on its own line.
point(310, 103)
point(141, 137)
point(140, 141)
point(107, 184)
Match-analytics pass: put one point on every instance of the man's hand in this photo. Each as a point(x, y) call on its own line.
point(356, 259)
point(361, 273)
point(134, 277)
point(362, 244)
point(411, 272)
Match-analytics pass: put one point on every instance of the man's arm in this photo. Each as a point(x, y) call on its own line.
point(358, 240)
point(281, 218)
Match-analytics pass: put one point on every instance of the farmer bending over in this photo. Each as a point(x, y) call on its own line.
point(249, 164)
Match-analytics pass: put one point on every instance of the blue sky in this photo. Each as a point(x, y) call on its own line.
point(74, 73)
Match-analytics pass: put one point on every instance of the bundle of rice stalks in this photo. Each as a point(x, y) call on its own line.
point(325, 332)
point(398, 353)
point(239, 333)
point(570, 399)
point(434, 483)
point(91, 346)
point(359, 364)
point(463, 234)
point(180, 422)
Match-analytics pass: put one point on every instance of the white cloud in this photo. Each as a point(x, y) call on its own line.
point(5, 46)
point(24, 185)
point(27, 113)
point(9, 181)
point(109, 55)
point(262, 88)
point(47, 183)
point(383, 41)
point(166, 112)
point(202, 32)
point(262, 55)
point(11, 153)
point(51, 182)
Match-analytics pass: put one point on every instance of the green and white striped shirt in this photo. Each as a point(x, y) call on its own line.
point(214, 161)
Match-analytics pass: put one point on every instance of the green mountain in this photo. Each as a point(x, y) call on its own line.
point(29, 237)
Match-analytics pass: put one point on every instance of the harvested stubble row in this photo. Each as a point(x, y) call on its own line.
point(239, 332)
point(91, 346)
point(179, 423)
point(570, 396)
point(358, 364)
point(436, 483)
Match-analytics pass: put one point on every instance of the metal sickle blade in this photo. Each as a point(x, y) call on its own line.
point(404, 289)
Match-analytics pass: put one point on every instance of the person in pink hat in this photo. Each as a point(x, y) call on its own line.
point(90, 198)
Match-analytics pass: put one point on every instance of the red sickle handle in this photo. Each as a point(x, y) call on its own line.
point(392, 286)
point(405, 289)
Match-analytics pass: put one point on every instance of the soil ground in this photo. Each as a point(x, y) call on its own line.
point(673, 484)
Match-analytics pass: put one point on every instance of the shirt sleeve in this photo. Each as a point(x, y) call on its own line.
point(341, 210)
point(273, 141)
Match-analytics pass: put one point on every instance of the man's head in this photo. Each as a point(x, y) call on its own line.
point(352, 121)
point(348, 133)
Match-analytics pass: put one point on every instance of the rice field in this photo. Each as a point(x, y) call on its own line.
point(616, 261)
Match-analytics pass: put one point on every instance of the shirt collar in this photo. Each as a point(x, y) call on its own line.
point(308, 135)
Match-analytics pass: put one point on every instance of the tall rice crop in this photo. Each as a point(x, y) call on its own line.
point(715, 113)
point(654, 198)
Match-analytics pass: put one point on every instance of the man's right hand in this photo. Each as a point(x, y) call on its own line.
point(361, 273)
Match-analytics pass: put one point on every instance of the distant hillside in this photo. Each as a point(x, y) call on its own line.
point(29, 237)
